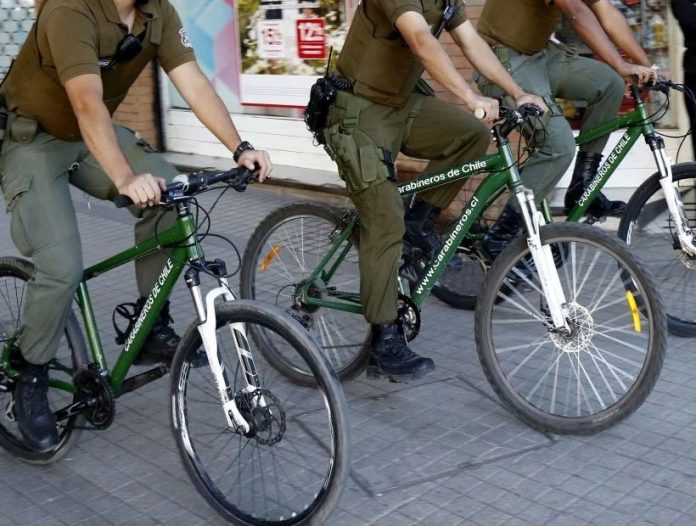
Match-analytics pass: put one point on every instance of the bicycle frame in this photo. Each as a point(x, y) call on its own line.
point(184, 250)
point(180, 237)
point(637, 123)
point(503, 174)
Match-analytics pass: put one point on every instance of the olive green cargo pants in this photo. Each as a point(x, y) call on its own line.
point(559, 72)
point(364, 138)
point(35, 182)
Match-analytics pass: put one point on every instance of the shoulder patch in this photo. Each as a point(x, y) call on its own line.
point(184, 38)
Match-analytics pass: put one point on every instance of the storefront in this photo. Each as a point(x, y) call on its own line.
point(263, 54)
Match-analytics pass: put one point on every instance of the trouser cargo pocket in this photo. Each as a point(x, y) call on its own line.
point(361, 163)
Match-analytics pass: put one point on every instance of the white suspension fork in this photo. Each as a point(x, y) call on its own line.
point(674, 202)
point(543, 260)
point(208, 331)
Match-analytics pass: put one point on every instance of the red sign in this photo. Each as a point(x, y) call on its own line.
point(311, 38)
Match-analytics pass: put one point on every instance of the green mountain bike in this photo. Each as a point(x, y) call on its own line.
point(570, 331)
point(260, 449)
point(658, 221)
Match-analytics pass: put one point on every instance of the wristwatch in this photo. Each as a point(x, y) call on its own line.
point(243, 147)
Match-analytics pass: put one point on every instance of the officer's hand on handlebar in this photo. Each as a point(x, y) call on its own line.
point(256, 161)
point(529, 98)
point(634, 72)
point(143, 189)
point(484, 108)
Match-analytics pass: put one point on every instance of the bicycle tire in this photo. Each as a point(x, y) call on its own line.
point(349, 356)
point(332, 400)
point(646, 226)
point(461, 287)
point(10, 438)
point(536, 400)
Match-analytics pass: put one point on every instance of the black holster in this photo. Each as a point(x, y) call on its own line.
point(321, 96)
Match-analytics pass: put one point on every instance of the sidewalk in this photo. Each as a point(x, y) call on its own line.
point(439, 452)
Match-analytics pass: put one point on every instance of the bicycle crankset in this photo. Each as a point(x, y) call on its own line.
point(409, 316)
point(263, 411)
point(95, 393)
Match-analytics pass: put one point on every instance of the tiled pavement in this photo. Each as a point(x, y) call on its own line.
point(441, 452)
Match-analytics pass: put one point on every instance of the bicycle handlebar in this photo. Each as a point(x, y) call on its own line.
point(184, 186)
point(513, 117)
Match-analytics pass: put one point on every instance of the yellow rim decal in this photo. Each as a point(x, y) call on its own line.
point(634, 310)
point(270, 257)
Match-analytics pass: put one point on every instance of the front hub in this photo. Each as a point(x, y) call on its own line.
point(581, 327)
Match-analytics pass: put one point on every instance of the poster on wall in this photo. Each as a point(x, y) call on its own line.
point(284, 47)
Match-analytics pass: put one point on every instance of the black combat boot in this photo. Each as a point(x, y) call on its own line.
point(420, 227)
point(161, 343)
point(35, 420)
point(506, 228)
point(390, 356)
point(586, 166)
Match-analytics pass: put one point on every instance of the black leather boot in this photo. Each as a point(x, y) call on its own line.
point(391, 357)
point(420, 227)
point(161, 343)
point(506, 228)
point(586, 166)
point(35, 420)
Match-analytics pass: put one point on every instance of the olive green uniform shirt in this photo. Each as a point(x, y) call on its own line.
point(69, 39)
point(522, 25)
point(377, 59)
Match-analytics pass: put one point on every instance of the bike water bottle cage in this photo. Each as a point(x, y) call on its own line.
point(127, 49)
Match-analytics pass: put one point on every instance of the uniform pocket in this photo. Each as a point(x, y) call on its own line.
point(13, 187)
point(361, 163)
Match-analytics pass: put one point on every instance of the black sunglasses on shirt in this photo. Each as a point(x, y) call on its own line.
point(127, 49)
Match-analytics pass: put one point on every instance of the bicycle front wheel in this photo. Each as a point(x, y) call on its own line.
point(72, 353)
point(648, 227)
point(292, 466)
point(599, 373)
point(282, 253)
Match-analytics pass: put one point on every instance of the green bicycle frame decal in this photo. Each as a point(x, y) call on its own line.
point(448, 175)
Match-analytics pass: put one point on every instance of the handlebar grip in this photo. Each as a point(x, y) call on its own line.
point(480, 113)
point(122, 201)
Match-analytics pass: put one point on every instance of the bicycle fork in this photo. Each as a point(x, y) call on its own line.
point(543, 260)
point(673, 199)
point(207, 327)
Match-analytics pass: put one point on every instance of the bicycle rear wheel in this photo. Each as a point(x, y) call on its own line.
point(293, 468)
point(285, 249)
point(14, 274)
point(606, 367)
point(460, 285)
point(648, 227)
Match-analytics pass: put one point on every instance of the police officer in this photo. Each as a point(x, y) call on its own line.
point(380, 113)
point(685, 13)
point(519, 32)
point(76, 66)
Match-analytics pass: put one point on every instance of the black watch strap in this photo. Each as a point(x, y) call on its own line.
point(243, 147)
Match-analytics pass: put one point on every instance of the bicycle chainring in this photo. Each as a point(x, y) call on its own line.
point(264, 412)
point(409, 316)
point(96, 393)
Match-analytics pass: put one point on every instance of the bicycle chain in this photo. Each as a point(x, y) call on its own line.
point(409, 315)
point(95, 391)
